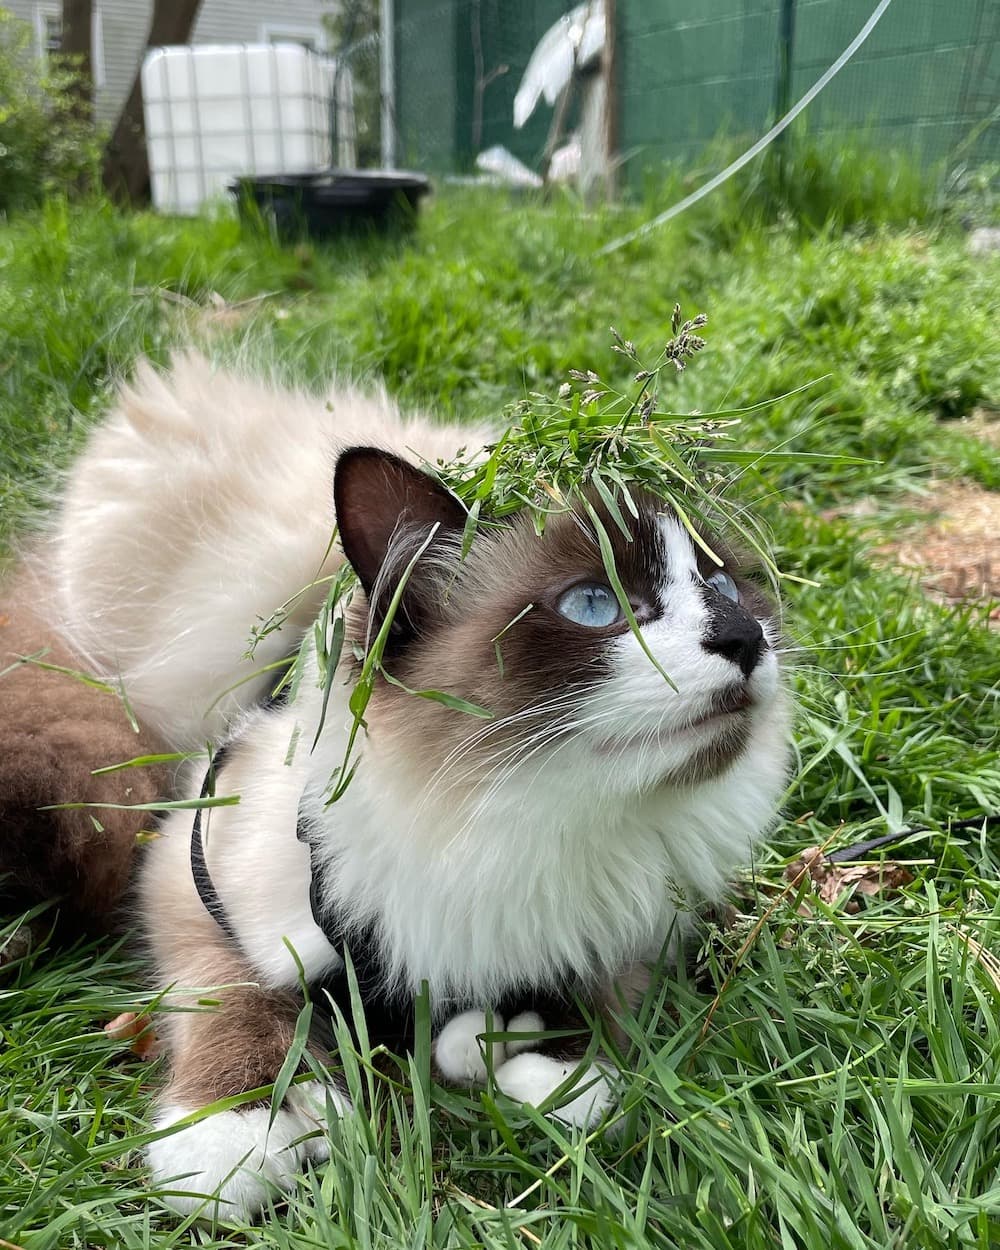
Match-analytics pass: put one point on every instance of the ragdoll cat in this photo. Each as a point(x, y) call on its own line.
point(509, 862)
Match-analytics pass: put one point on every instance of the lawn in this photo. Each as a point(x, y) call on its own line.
point(827, 1077)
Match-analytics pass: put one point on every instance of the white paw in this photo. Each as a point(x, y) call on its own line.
point(225, 1165)
point(459, 1052)
point(533, 1078)
point(526, 1022)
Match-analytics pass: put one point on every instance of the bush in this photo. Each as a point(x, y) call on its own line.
point(46, 145)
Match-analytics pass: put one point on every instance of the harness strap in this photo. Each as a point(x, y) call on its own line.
point(324, 919)
point(209, 895)
point(203, 883)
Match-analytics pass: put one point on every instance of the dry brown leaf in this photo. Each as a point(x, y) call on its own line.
point(137, 1028)
point(832, 880)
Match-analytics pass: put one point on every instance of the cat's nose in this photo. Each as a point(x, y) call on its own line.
point(736, 635)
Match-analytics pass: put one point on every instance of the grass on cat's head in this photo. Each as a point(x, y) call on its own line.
point(592, 441)
point(845, 1093)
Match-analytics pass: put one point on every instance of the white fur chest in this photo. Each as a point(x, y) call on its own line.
point(539, 888)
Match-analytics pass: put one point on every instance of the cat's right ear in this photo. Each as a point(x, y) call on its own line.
point(374, 493)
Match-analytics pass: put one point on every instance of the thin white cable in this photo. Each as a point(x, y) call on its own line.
point(762, 143)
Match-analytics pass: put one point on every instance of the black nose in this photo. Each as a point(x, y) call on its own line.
point(734, 633)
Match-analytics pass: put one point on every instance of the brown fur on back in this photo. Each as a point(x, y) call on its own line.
point(54, 731)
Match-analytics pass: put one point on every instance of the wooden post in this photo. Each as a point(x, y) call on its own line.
point(783, 81)
point(609, 69)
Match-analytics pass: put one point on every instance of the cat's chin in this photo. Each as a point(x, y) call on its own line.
point(688, 755)
point(714, 725)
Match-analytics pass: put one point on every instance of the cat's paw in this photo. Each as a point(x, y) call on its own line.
point(226, 1165)
point(526, 1022)
point(533, 1078)
point(459, 1052)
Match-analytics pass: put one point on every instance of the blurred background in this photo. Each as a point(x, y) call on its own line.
point(600, 95)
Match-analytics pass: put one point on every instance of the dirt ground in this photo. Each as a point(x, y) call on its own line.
point(956, 548)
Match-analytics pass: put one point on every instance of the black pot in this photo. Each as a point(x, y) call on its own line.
point(334, 202)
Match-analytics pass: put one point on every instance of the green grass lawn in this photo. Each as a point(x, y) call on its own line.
point(828, 1079)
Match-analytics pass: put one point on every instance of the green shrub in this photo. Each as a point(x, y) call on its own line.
point(46, 145)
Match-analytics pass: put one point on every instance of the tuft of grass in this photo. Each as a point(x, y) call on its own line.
point(826, 1080)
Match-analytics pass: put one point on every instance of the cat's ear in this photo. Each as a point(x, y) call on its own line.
point(374, 492)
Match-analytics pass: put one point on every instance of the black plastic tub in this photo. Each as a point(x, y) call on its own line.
point(337, 201)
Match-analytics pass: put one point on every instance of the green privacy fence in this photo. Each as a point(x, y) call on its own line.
point(458, 65)
point(688, 71)
point(927, 81)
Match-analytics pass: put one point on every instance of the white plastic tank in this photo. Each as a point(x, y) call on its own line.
point(216, 111)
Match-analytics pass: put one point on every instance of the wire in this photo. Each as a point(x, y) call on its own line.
point(865, 848)
point(761, 144)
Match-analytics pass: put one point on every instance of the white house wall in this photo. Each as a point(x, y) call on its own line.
point(123, 26)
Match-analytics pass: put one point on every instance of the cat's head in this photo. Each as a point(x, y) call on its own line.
point(531, 629)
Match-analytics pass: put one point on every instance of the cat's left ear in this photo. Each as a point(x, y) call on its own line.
point(374, 493)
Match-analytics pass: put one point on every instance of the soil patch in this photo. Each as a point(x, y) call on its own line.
point(951, 536)
point(956, 549)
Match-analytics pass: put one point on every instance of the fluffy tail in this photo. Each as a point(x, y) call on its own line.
point(196, 510)
point(57, 734)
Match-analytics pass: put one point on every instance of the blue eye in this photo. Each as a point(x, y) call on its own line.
point(724, 584)
point(590, 604)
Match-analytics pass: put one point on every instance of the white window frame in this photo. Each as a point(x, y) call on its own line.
point(42, 13)
point(272, 32)
point(54, 9)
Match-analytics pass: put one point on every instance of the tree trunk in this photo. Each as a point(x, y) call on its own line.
point(77, 16)
point(126, 164)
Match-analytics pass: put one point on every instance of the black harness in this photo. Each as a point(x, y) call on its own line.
point(388, 1020)
point(203, 882)
point(209, 895)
